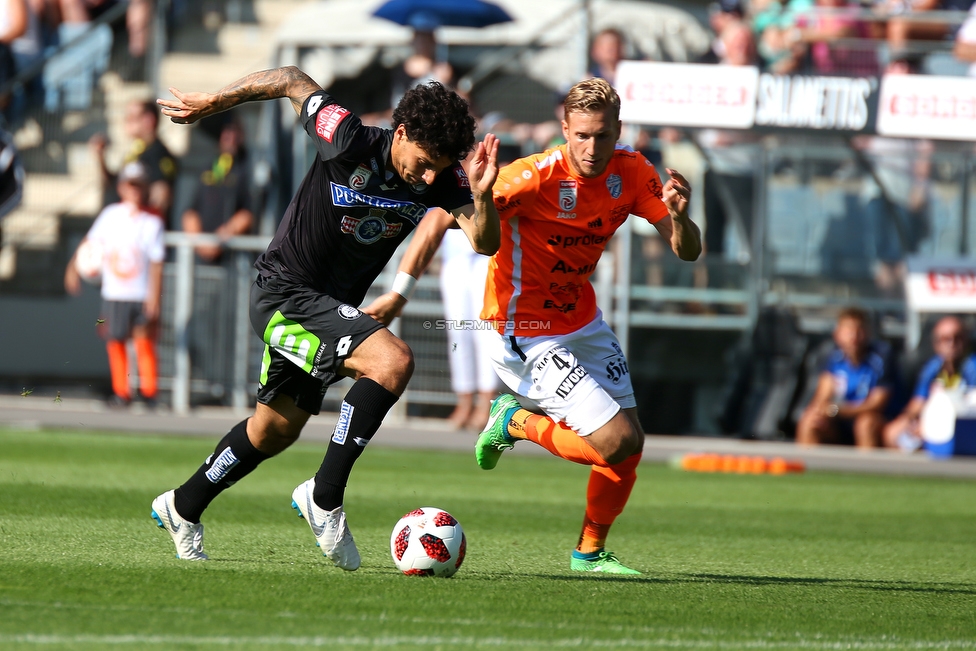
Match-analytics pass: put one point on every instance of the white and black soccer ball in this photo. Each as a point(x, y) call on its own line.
point(428, 542)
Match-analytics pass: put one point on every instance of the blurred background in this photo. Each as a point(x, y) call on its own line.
point(829, 145)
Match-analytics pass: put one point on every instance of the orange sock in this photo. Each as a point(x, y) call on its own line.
point(606, 495)
point(118, 364)
point(555, 437)
point(146, 358)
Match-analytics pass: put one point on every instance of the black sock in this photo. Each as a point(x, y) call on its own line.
point(232, 460)
point(360, 416)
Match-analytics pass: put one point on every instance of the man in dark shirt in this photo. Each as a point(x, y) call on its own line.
point(367, 189)
point(222, 203)
point(141, 122)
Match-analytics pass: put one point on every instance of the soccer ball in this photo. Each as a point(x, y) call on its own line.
point(88, 261)
point(428, 542)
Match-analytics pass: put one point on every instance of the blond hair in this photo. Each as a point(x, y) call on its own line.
point(593, 96)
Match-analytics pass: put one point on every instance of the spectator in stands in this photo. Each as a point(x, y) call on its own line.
point(853, 388)
point(13, 24)
point(814, 34)
point(141, 122)
point(730, 177)
point(903, 26)
point(952, 367)
point(720, 15)
point(965, 45)
point(222, 203)
point(606, 51)
point(421, 66)
point(473, 378)
point(897, 195)
point(131, 241)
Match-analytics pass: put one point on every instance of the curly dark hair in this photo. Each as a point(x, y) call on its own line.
point(437, 119)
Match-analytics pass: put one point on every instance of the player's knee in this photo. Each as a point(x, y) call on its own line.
point(625, 442)
point(396, 367)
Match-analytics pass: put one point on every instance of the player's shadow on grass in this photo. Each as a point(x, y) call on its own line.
point(863, 584)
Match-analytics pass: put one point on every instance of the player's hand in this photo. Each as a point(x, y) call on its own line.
point(386, 307)
point(483, 168)
point(676, 193)
point(187, 108)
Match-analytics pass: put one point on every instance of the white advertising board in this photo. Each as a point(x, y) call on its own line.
point(922, 106)
point(687, 94)
point(941, 285)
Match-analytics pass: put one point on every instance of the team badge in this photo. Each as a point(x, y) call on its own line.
point(567, 194)
point(360, 177)
point(371, 228)
point(615, 185)
point(348, 312)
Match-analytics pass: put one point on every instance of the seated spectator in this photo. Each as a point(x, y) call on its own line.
point(222, 204)
point(953, 366)
point(853, 388)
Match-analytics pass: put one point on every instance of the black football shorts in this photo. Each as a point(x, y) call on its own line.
point(307, 335)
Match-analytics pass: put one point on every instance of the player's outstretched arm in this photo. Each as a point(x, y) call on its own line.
point(423, 245)
point(684, 235)
point(479, 220)
point(288, 82)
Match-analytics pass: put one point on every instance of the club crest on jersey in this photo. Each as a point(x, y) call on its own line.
point(567, 195)
point(615, 185)
point(369, 229)
point(360, 177)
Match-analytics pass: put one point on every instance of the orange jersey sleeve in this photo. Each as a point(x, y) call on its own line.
point(555, 226)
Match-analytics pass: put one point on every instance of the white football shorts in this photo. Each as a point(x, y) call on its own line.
point(580, 379)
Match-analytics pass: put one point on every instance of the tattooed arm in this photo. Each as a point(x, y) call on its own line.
point(288, 82)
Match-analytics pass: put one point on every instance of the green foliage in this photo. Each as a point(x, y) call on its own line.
point(812, 561)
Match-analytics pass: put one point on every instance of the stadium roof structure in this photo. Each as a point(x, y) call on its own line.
point(339, 38)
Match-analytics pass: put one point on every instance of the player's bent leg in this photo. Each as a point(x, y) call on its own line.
point(618, 439)
point(276, 425)
point(384, 358)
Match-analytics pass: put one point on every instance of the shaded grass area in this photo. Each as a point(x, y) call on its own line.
point(819, 560)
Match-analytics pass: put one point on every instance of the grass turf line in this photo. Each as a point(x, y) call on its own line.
point(819, 560)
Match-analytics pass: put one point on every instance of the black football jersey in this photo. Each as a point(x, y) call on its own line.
point(350, 213)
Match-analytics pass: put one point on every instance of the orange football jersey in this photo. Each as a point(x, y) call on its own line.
point(555, 226)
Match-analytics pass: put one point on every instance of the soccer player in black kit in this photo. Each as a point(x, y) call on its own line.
point(367, 189)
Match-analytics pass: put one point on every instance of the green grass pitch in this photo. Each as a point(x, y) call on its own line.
point(810, 561)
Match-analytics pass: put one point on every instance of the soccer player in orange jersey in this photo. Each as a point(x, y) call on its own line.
point(573, 394)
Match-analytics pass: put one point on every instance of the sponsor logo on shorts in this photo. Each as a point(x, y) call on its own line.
point(567, 196)
point(343, 197)
point(616, 369)
point(349, 313)
point(570, 381)
point(328, 121)
point(615, 185)
point(222, 465)
point(369, 229)
point(342, 425)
